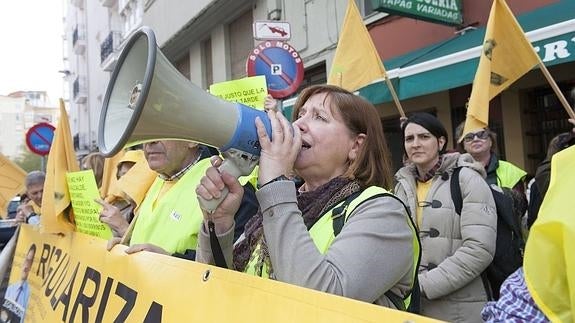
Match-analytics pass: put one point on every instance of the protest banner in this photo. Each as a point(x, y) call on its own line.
point(74, 278)
point(250, 91)
point(83, 191)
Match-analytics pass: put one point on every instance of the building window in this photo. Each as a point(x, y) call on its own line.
point(365, 7)
point(241, 43)
point(544, 119)
point(131, 12)
point(183, 66)
point(207, 63)
point(313, 75)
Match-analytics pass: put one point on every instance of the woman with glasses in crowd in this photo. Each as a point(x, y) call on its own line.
point(482, 146)
point(456, 248)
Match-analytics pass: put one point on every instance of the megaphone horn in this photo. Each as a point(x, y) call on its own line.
point(147, 99)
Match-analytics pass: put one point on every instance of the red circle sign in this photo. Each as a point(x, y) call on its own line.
point(281, 65)
point(39, 138)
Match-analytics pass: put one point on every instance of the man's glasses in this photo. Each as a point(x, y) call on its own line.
point(483, 134)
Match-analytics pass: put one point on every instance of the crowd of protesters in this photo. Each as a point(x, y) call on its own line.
point(323, 209)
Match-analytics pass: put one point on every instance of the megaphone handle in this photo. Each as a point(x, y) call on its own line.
point(230, 167)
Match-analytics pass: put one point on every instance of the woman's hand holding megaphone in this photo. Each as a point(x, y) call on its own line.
point(277, 158)
point(278, 153)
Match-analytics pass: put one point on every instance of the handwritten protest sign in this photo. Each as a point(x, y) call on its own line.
point(250, 91)
point(83, 191)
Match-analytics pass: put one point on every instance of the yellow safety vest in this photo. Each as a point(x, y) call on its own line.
point(173, 224)
point(322, 234)
point(508, 175)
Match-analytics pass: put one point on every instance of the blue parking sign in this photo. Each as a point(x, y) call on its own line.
point(39, 138)
point(281, 65)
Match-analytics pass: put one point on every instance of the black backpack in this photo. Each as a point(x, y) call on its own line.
point(339, 217)
point(509, 245)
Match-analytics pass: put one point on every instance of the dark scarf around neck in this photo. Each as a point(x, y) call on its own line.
point(312, 204)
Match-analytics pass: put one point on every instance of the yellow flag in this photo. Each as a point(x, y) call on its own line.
point(356, 62)
point(506, 56)
point(56, 210)
point(549, 262)
point(12, 179)
point(136, 182)
point(109, 173)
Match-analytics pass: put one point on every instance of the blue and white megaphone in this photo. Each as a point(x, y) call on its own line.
point(147, 99)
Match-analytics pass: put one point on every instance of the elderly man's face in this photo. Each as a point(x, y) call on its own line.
point(167, 156)
point(35, 191)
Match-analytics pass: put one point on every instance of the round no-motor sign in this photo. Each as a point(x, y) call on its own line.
point(39, 138)
point(281, 65)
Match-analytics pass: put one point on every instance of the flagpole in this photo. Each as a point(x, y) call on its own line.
point(556, 89)
point(128, 234)
point(394, 96)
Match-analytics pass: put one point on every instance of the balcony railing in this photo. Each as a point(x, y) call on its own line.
point(75, 36)
point(109, 50)
point(79, 39)
point(79, 90)
point(108, 3)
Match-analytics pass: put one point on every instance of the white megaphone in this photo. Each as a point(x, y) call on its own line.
point(147, 99)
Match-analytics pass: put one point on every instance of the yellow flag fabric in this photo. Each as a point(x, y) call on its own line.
point(136, 182)
point(506, 56)
point(356, 62)
point(109, 172)
point(549, 263)
point(56, 208)
point(12, 179)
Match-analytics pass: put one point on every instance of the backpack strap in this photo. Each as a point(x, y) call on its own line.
point(339, 217)
point(339, 213)
point(456, 191)
point(458, 204)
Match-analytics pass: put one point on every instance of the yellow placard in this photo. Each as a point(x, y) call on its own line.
point(73, 278)
point(250, 91)
point(83, 190)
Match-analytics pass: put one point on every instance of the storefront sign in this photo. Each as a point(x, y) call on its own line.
point(440, 11)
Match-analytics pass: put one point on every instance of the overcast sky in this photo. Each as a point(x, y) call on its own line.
point(31, 49)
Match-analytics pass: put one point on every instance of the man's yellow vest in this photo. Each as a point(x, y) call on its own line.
point(173, 224)
point(508, 175)
point(322, 233)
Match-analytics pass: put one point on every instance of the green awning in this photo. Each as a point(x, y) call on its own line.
point(452, 63)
